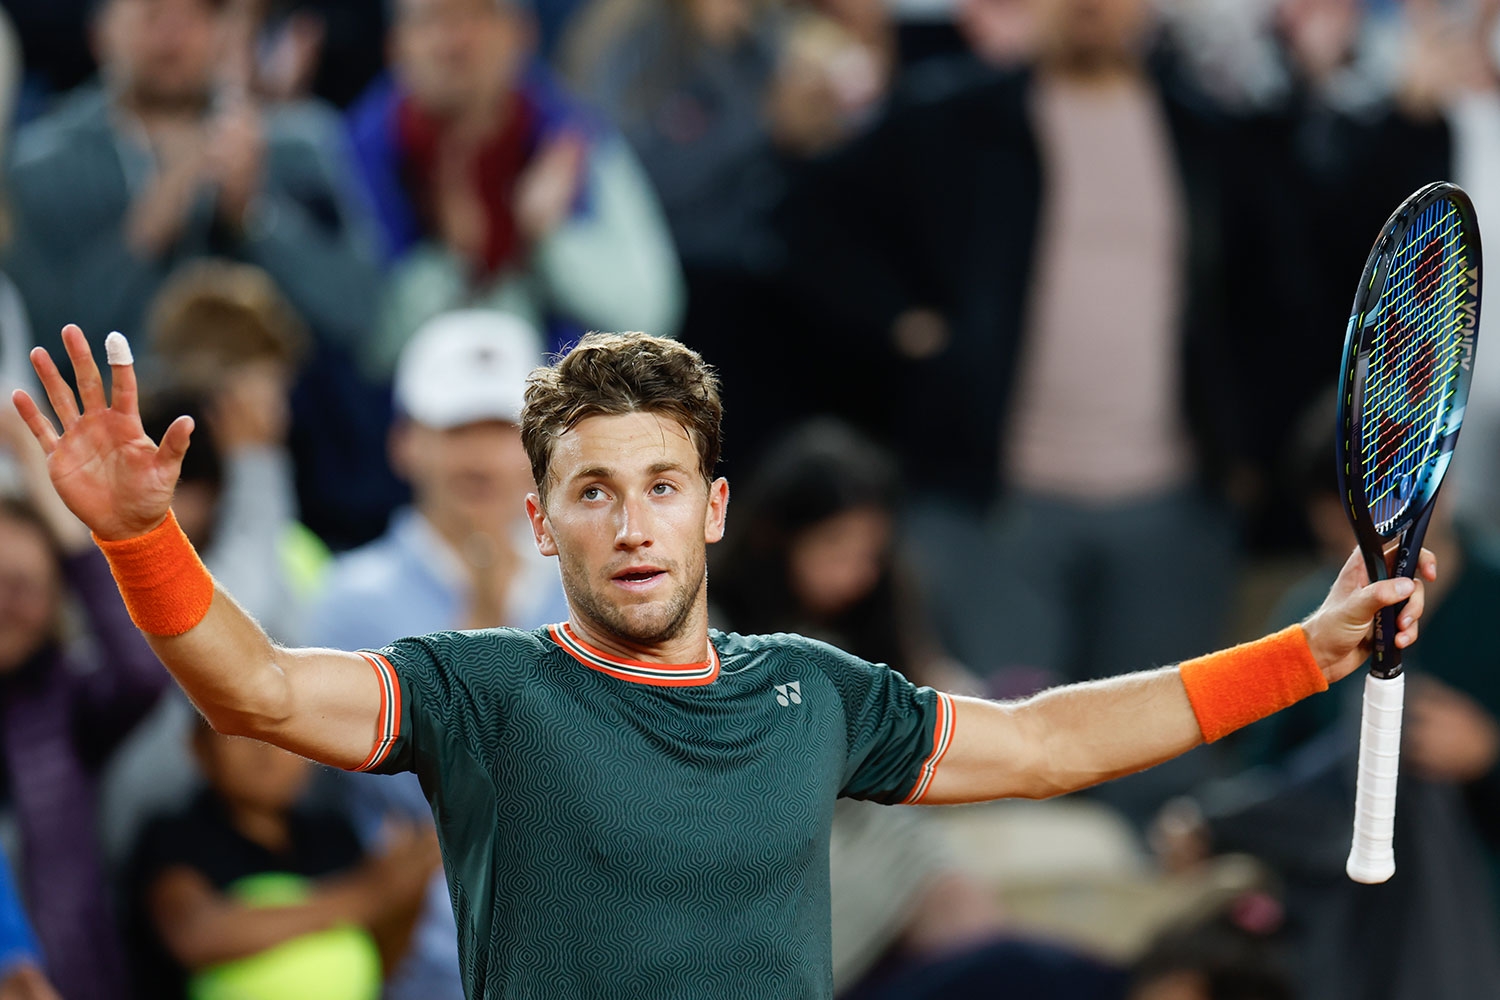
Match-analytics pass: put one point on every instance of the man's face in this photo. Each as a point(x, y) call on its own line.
point(458, 56)
point(160, 53)
point(629, 516)
point(477, 473)
point(1091, 32)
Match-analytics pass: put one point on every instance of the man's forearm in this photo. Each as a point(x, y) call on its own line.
point(1104, 729)
point(1067, 738)
point(1072, 737)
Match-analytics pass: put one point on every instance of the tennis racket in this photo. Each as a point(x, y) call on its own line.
point(1408, 361)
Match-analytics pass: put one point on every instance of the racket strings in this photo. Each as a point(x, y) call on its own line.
point(1413, 361)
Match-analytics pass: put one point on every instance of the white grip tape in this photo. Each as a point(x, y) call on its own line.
point(117, 349)
point(1371, 859)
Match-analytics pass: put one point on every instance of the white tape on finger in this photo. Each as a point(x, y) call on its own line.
point(1371, 858)
point(117, 349)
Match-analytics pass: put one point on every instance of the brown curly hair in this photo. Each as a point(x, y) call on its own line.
point(607, 374)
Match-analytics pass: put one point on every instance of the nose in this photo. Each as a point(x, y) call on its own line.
point(631, 530)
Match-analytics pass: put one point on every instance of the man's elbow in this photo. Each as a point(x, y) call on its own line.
point(260, 710)
point(1039, 783)
point(1051, 766)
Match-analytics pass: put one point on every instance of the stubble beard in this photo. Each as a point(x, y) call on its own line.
point(613, 619)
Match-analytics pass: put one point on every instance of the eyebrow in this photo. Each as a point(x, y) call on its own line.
point(604, 472)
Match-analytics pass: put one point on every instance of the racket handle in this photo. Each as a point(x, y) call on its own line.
point(1371, 858)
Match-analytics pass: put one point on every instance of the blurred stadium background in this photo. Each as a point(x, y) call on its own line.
point(1027, 313)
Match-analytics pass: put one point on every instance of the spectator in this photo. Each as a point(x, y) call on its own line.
point(157, 166)
point(462, 557)
point(1024, 247)
point(160, 165)
point(709, 95)
point(21, 976)
point(63, 710)
point(494, 189)
point(811, 550)
point(248, 895)
point(723, 101)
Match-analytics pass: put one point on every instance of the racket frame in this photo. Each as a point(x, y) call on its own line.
point(1411, 527)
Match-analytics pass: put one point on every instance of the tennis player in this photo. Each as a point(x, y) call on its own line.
point(630, 804)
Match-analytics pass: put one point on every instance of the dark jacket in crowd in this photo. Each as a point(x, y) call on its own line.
point(60, 717)
point(938, 208)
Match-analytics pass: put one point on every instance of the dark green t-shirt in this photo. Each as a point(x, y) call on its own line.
point(618, 829)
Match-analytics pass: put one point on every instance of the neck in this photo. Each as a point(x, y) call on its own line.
point(478, 120)
point(689, 645)
point(1095, 72)
point(268, 829)
point(156, 114)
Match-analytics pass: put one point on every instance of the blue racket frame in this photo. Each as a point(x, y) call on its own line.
point(1409, 522)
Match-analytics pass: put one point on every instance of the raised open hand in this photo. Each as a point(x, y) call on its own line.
point(112, 476)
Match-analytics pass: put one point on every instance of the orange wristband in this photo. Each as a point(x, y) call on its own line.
point(166, 588)
point(1231, 689)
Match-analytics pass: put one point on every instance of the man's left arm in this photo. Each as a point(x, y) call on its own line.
point(1072, 737)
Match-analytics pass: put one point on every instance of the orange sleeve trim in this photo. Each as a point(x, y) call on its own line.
point(388, 725)
point(942, 739)
point(166, 588)
point(1233, 688)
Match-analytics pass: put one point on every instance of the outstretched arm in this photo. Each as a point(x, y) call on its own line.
point(1071, 737)
point(321, 704)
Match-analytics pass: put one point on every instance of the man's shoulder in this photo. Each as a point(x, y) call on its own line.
point(485, 652)
point(56, 136)
point(790, 647)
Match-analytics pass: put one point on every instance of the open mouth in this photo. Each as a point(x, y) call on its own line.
point(637, 576)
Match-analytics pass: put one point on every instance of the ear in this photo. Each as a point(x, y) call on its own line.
point(718, 510)
point(540, 529)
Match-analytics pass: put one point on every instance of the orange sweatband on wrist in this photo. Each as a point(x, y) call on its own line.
point(166, 588)
point(1231, 689)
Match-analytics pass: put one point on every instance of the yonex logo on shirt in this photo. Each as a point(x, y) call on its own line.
point(789, 693)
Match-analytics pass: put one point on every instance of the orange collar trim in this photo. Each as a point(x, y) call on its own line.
point(659, 674)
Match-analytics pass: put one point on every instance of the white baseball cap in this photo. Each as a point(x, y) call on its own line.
point(467, 366)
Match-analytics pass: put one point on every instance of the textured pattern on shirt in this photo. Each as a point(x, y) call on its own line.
point(610, 838)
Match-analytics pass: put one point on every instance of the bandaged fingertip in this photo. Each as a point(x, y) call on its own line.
point(117, 349)
point(1233, 688)
point(166, 587)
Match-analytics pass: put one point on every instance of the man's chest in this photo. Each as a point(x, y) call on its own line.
point(675, 779)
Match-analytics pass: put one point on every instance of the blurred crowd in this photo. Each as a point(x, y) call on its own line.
point(1027, 313)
